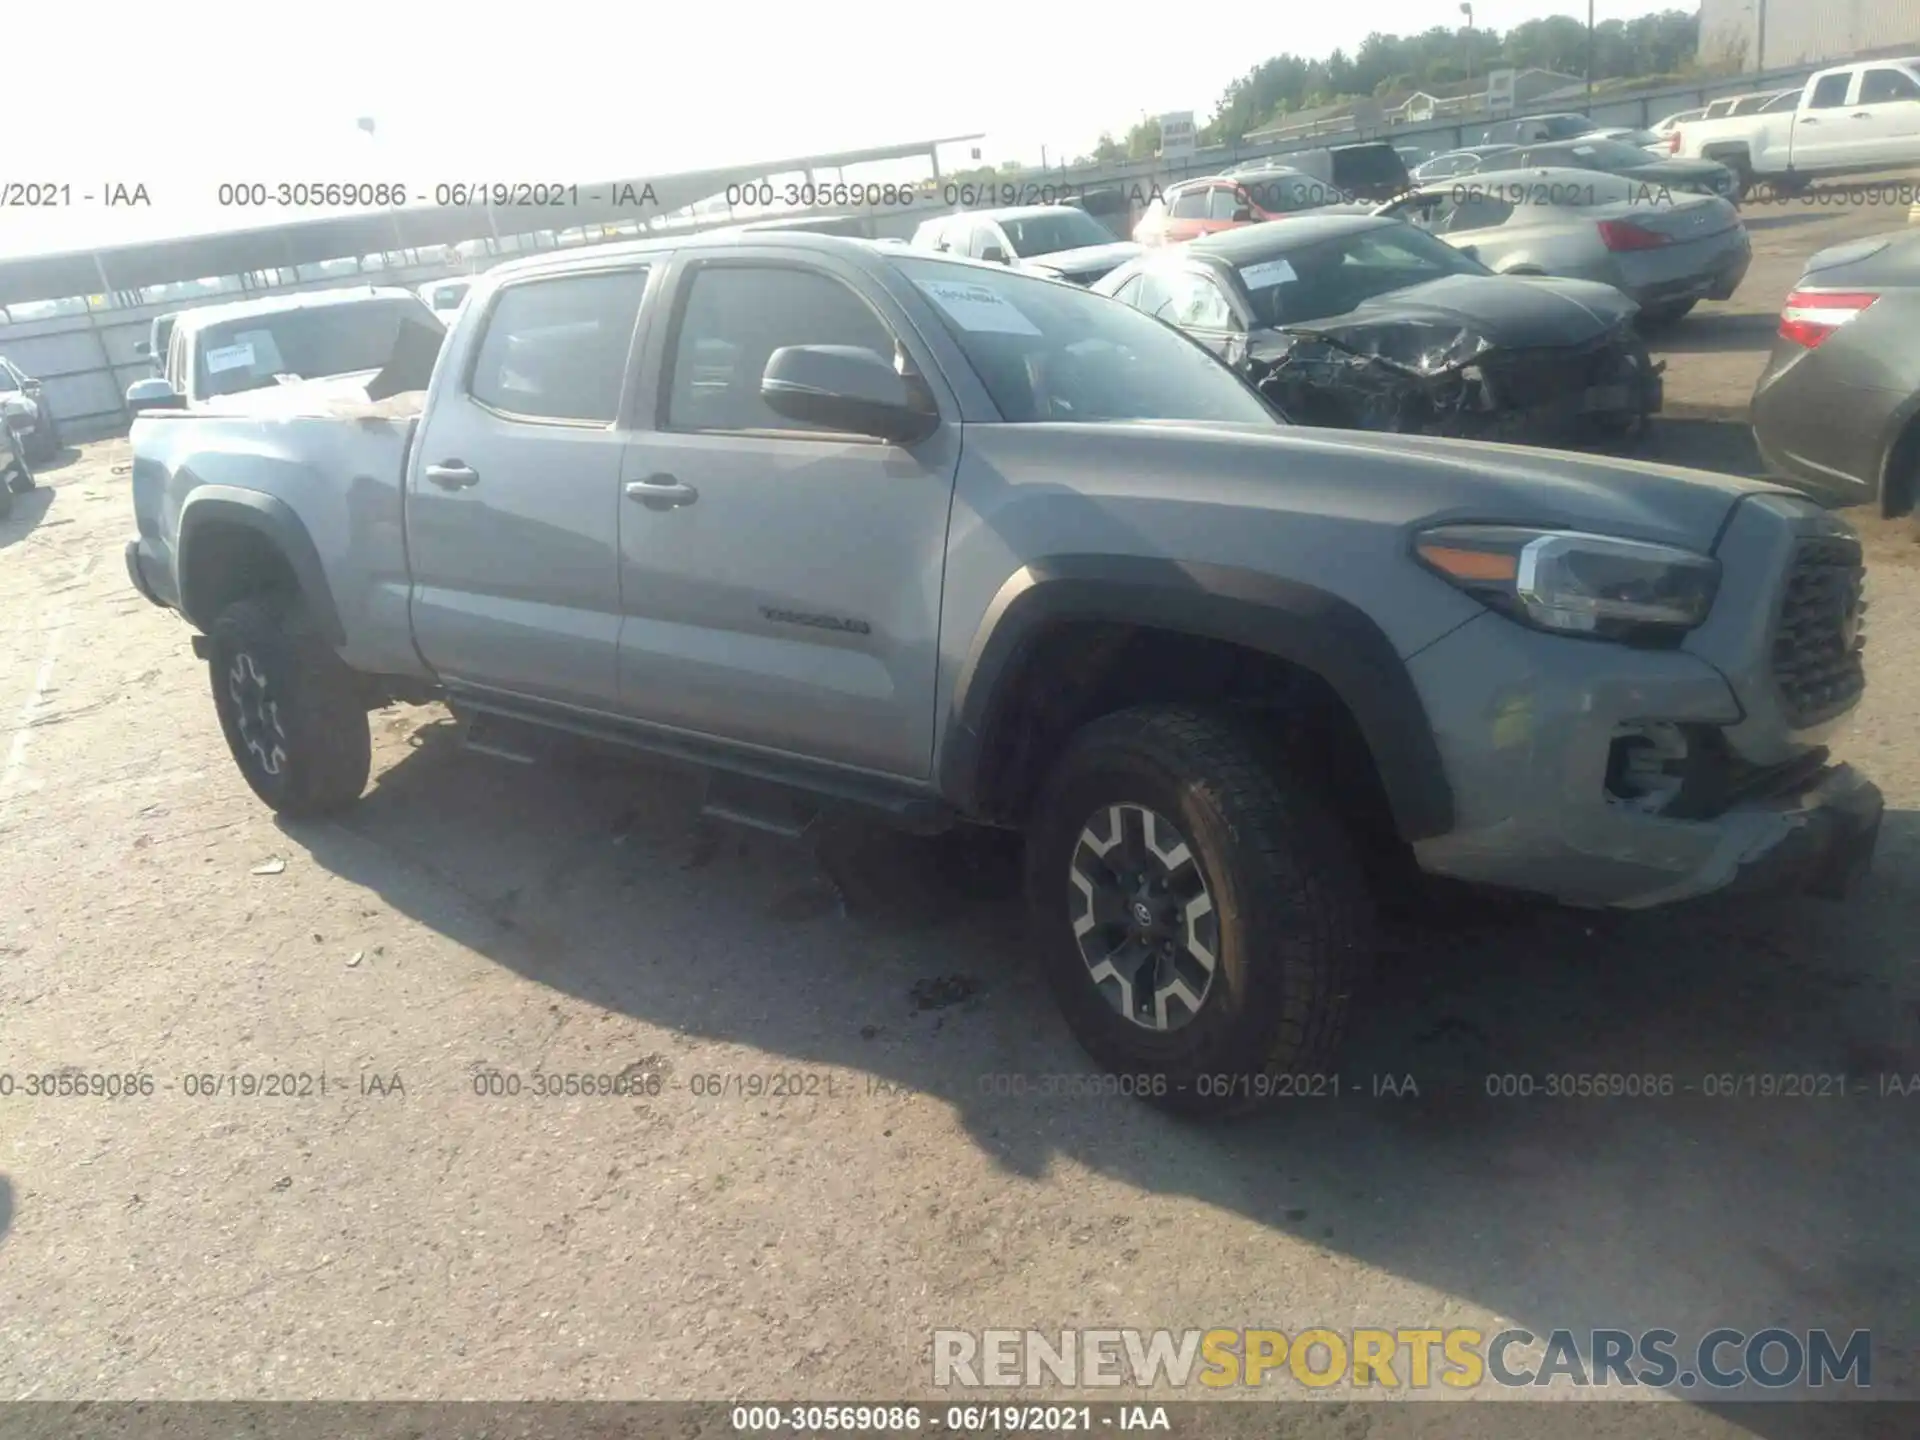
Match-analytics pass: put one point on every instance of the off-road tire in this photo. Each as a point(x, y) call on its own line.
point(322, 740)
point(1294, 918)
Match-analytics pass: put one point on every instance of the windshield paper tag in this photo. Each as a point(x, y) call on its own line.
point(975, 307)
point(1268, 272)
point(230, 357)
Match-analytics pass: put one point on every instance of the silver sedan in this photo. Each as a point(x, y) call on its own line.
point(1667, 249)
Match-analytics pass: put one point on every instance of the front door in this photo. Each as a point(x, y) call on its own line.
point(784, 590)
point(513, 503)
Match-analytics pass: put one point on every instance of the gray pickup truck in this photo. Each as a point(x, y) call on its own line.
point(846, 525)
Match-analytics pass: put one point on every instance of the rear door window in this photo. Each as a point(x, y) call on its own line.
point(1221, 203)
point(557, 349)
point(1191, 204)
point(1881, 86)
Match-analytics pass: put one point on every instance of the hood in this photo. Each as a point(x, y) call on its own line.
point(1403, 480)
point(1089, 262)
point(1506, 312)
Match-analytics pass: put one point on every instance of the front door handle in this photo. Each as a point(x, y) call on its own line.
point(1863, 114)
point(661, 492)
point(452, 476)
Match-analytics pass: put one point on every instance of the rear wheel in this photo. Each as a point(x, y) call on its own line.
point(1204, 919)
point(292, 713)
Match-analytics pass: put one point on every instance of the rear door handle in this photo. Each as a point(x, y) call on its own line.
point(452, 476)
point(661, 492)
point(1863, 114)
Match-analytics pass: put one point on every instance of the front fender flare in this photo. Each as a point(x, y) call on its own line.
point(1301, 624)
point(269, 517)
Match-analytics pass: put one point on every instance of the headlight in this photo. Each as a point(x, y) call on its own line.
point(1597, 586)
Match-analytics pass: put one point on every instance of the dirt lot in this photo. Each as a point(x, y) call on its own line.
point(404, 1235)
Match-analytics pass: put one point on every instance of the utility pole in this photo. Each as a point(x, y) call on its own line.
point(1759, 35)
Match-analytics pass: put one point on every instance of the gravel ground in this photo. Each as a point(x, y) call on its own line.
point(405, 1235)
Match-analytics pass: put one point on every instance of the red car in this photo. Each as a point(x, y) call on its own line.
point(1200, 207)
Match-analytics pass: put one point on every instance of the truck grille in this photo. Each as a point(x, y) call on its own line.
point(1816, 647)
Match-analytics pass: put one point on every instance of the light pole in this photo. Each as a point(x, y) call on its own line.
point(1589, 57)
point(1467, 10)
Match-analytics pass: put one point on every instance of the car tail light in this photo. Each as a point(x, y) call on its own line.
point(1809, 317)
point(1673, 142)
point(1625, 235)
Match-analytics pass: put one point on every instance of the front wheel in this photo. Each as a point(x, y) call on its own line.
point(291, 711)
point(1205, 921)
point(19, 471)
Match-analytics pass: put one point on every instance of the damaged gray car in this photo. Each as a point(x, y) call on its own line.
point(1367, 323)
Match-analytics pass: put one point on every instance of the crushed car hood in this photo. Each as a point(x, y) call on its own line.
point(1503, 311)
point(1090, 262)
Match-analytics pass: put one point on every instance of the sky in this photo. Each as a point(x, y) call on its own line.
point(570, 90)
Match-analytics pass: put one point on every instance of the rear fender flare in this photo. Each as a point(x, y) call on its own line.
point(276, 521)
point(1301, 624)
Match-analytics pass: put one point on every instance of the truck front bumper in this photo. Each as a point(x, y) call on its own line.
point(1532, 750)
point(138, 575)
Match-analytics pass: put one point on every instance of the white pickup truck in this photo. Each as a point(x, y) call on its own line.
point(1864, 116)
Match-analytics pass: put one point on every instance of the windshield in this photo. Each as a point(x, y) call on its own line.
point(1333, 276)
point(303, 344)
point(1062, 229)
point(1046, 351)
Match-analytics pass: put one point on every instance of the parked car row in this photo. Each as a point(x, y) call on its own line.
point(852, 526)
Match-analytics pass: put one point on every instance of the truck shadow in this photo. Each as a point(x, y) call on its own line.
point(1719, 1199)
point(28, 511)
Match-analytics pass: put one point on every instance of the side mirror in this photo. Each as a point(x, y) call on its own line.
point(1472, 252)
point(994, 255)
point(154, 394)
point(847, 388)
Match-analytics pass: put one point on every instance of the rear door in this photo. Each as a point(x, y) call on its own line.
point(1886, 112)
point(513, 498)
point(791, 600)
point(1821, 137)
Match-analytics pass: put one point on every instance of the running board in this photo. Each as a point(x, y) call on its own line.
point(484, 735)
point(756, 790)
point(758, 805)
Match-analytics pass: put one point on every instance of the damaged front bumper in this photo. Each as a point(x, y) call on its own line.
point(1415, 379)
